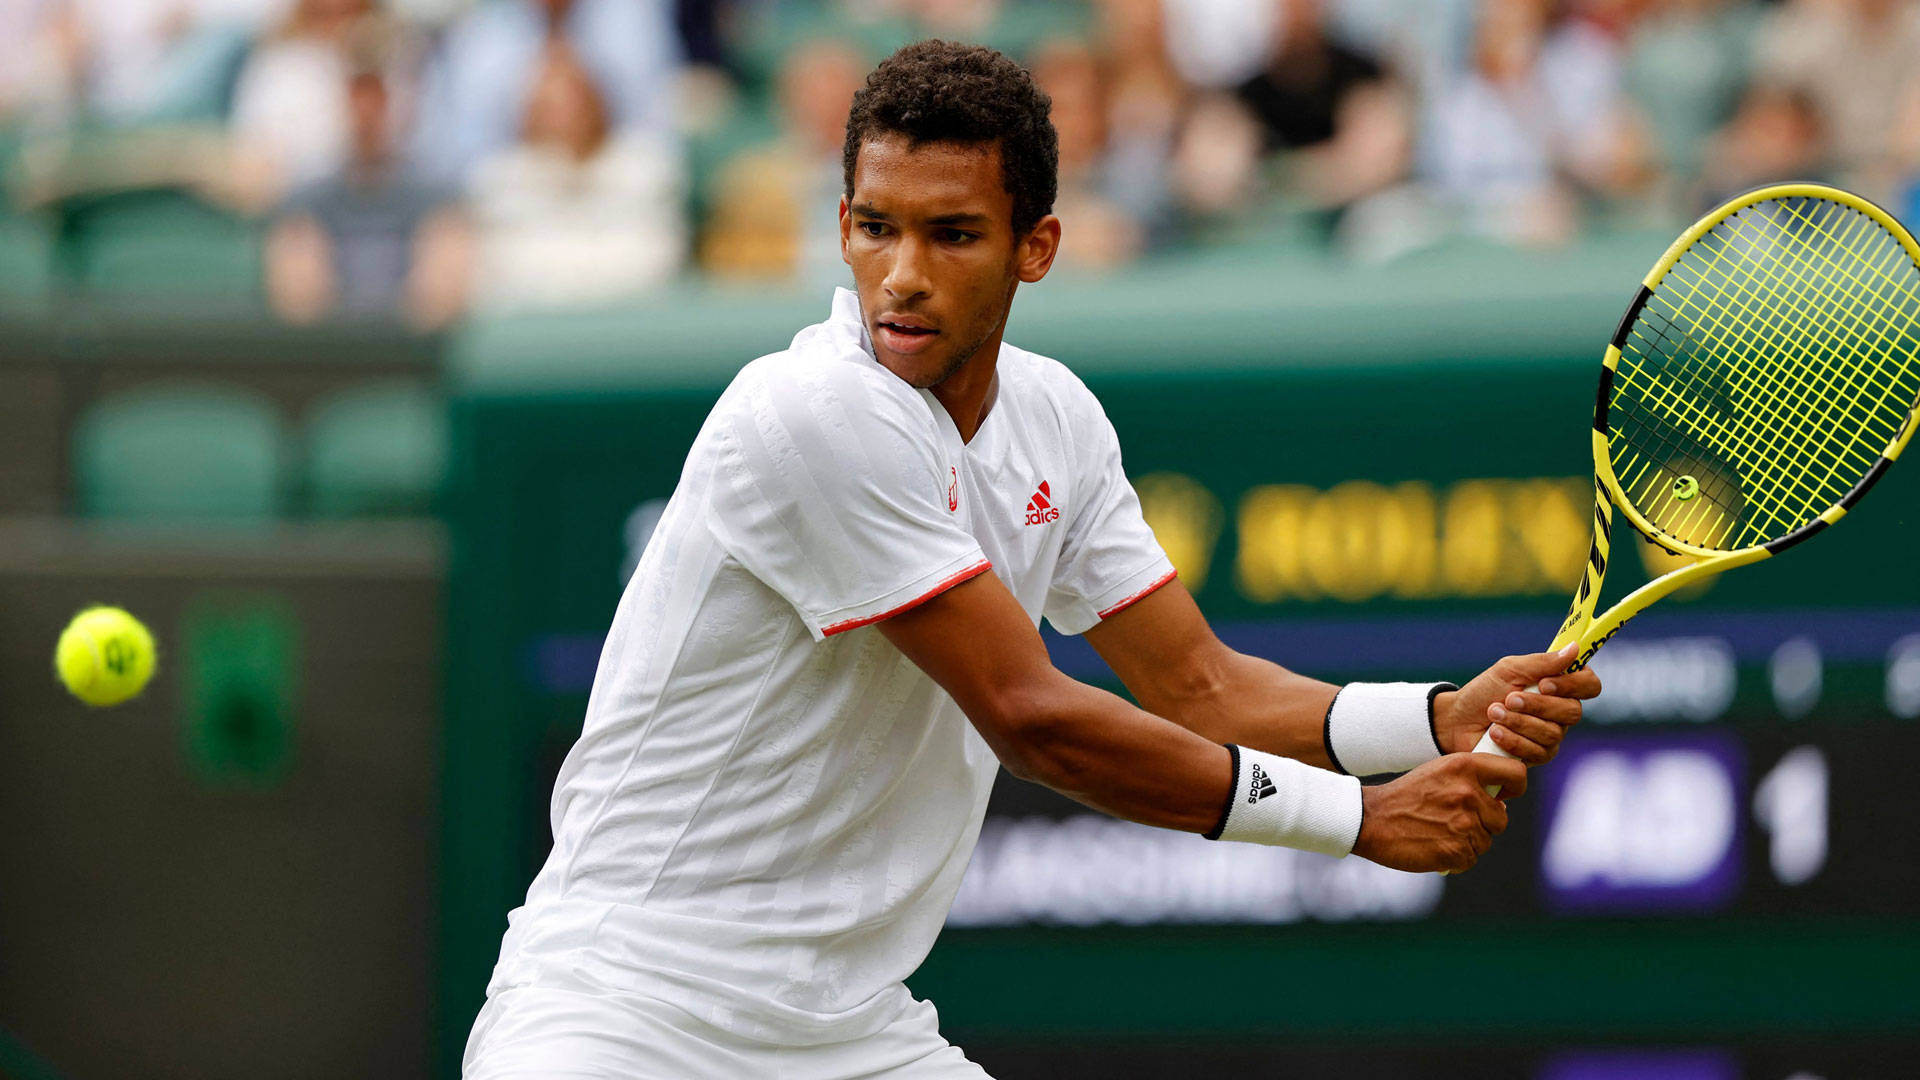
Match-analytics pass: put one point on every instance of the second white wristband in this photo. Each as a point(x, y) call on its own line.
point(1375, 728)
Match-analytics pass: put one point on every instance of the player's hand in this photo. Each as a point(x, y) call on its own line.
point(1439, 816)
point(1528, 725)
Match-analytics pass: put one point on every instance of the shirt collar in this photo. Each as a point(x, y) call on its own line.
point(846, 313)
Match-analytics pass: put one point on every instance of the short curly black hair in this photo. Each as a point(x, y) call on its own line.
point(944, 91)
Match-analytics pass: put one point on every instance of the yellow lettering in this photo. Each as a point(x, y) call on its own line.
point(1360, 539)
point(1268, 566)
point(1409, 548)
point(1472, 558)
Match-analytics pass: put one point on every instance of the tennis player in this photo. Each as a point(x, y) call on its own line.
point(829, 650)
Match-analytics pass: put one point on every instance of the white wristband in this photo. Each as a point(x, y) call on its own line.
point(1287, 803)
point(1375, 728)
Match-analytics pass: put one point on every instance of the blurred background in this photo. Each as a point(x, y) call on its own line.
point(356, 344)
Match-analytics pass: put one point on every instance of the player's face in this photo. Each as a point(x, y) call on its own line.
point(929, 235)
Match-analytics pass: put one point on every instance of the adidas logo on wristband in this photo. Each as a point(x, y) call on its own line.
point(1260, 785)
point(1286, 803)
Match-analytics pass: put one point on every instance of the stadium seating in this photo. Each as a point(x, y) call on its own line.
point(375, 450)
point(160, 244)
point(26, 262)
point(180, 451)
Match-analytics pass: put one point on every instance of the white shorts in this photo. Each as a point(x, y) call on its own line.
point(538, 1031)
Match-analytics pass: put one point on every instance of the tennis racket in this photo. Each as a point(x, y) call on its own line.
point(1764, 378)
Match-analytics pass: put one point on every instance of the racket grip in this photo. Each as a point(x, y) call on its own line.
point(1486, 745)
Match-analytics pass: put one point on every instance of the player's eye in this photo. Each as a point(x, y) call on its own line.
point(872, 228)
point(954, 236)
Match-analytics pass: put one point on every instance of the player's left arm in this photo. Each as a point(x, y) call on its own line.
point(1172, 662)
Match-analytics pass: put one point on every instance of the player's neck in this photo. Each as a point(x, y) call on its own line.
point(968, 394)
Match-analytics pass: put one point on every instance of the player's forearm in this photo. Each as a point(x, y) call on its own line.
point(1100, 750)
point(1230, 697)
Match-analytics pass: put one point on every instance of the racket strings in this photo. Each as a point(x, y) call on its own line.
point(1849, 285)
point(1890, 377)
point(1776, 305)
point(1792, 397)
point(1796, 393)
point(1856, 399)
point(1766, 373)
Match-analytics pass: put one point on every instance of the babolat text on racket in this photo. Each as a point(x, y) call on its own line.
point(1764, 378)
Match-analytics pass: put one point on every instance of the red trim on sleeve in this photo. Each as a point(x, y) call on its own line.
point(973, 571)
point(1139, 596)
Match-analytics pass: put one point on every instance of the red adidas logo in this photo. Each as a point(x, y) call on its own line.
point(1040, 508)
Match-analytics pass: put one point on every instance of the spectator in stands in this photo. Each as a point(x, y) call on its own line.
point(1099, 228)
point(577, 213)
point(1216, 160)
point(136, 61)
point(1858, 61)
point(290, 122)
point(1332, 107)
point(1578, 72)
point(1778, 133)
point(1145, 99)
point(774, 208)
point(1216, 44)
point(1686, 63)
point(478, 86)
point(1308, 73)
point(1488, 144)
point(372, 240)
point(1425, 43)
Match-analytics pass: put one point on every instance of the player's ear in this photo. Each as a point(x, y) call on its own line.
point(1033, 254)
point(846, 230)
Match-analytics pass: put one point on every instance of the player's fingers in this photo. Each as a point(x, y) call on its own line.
point(1547, 733)
point(1582, 684)
point(1555, 710)
point(1493, 815)
point(1529, 668)
point(1507, 774)
point(1526, 750)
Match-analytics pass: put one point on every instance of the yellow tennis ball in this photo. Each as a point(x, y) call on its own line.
point(105, 656)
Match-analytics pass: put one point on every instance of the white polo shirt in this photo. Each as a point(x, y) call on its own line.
point(769, 809)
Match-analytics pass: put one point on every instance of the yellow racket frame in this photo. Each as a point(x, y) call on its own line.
point(1581, 625)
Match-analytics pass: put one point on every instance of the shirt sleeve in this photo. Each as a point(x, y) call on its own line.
point(1110, 558)
point(830, 486)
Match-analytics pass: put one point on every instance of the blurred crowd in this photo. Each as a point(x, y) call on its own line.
point(426, 158)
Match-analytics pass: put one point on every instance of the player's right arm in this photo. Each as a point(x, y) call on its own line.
point(977, 643)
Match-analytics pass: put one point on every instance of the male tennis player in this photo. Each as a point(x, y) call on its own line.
point(829, 649)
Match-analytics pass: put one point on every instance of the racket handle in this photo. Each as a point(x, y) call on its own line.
point(1486, 745)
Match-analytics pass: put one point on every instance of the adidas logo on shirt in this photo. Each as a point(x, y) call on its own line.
point(1040, 508)
point(1260, 786)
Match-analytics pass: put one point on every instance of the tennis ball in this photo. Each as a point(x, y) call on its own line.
point(105, 656)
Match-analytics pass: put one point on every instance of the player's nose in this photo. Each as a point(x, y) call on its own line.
point(906, 274)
